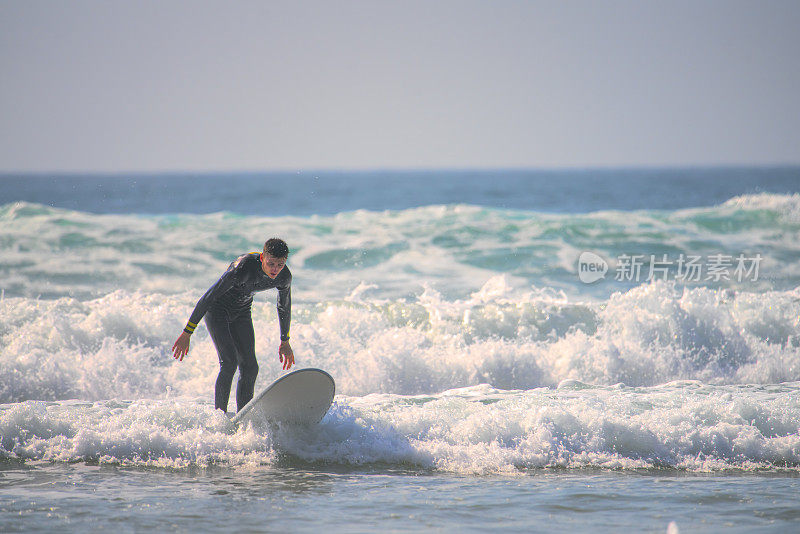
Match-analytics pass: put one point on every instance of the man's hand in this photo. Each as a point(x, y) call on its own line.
point(181, 346)
point(286, 355)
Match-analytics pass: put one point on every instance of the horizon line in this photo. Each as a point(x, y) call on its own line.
point(409, 169)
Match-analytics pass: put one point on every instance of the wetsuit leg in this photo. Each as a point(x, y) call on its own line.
point(244, 337)
point(220, 330)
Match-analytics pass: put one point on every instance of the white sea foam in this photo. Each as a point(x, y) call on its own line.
point(685, 425)
point(118, 346)
point(457, 385)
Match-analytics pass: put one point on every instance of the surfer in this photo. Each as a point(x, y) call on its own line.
point(226, 307)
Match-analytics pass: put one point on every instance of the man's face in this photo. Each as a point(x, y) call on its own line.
point(272, 265)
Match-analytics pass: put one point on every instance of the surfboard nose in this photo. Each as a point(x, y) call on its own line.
point(300, 397)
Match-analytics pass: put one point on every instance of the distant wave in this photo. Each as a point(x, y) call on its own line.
point(51, 253)
point(786, 205)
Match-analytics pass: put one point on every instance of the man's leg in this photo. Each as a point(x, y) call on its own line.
point(245, 339)
point(220, 331)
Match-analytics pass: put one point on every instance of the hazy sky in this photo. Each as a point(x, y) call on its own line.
point(195, 85)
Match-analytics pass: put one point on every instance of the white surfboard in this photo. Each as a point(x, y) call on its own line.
point(301, 397)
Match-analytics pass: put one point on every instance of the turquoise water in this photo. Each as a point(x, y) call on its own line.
point(482, 382)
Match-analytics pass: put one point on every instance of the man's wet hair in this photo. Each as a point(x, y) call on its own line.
point(276, 248)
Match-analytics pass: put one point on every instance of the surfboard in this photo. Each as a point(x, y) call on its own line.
point(301, 397)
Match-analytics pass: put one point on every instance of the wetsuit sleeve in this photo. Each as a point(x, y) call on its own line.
point(285, 308)
point(222, 285)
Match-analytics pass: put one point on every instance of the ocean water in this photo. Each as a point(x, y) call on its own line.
point(604, 350)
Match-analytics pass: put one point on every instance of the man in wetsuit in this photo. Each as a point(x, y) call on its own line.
point(226, 306)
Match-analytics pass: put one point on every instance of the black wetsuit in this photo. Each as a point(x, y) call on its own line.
point(226, 306)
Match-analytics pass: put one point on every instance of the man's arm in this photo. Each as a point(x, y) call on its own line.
point(285, 353)
point(285, 309)
point(222, 285)
point(181, 346)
